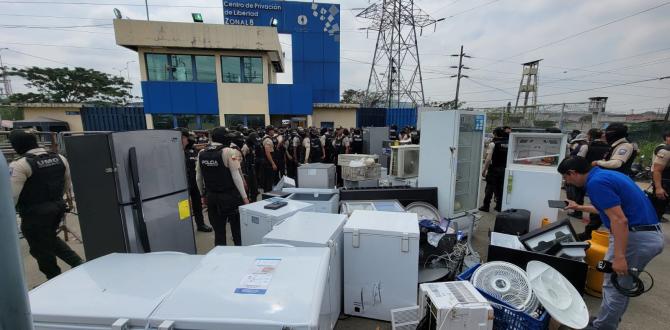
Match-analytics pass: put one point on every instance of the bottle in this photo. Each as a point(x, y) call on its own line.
point(594, 279)
point(545, 222)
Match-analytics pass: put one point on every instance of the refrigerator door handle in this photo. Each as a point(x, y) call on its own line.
point(138, 221)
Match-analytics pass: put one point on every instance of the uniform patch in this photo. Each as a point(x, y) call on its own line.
point(661, 155)
point(11, 171)
point(622, 152)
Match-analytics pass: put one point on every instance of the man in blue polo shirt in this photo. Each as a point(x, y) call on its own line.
point(626, 211)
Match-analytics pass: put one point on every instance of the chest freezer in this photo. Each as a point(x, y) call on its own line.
point(251, 288)
point(324, 200)
point(381, 257)
point(390, 205)
point(256, 220)
point(116, 289)
point(316, 175)
point(308, 229)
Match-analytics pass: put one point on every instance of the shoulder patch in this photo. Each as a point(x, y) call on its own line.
point(11, 171)
point(622, 152)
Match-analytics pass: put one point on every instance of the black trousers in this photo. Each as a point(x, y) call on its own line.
point(576, 194)
point(495, 180)
point(659, 204)
point(252, 184)
point(40, 231)
point(270, 177)
point(292, 169)
point(223, 208)
point(196, 205)
point(594, 223)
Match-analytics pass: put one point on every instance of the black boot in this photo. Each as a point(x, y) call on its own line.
point(205, 228)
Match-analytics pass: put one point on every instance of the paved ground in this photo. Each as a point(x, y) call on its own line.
point(650, 311)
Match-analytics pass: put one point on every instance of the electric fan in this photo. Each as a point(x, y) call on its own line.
point(506, 282)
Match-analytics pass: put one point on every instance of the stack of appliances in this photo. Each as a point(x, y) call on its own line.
point(451, 158)
point(254, 288)
point(131, 192)
point(381, 256)
point(316, 175)
point(531, 178)
point(324, 200)
point(256, 219)
point(307, 229)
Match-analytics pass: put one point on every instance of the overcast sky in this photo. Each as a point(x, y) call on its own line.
point(499, 35)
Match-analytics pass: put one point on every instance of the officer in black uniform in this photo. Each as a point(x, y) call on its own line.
point(279, 155)
point(316, 149)
point(219, 177)
point(270, 167)
point(249, 164)
point(327, 142)
point(357, 141)
point(191, 156)
point(39, 179)
point(661, 177)
point(393, 133)
point(494, 169)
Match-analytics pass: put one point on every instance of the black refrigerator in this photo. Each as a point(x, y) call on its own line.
point(131, 192)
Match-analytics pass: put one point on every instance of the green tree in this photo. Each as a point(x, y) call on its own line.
point(445, 105)
point(65, 85)
point(357, 96)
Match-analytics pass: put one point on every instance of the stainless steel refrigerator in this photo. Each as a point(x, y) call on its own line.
point(131, 192)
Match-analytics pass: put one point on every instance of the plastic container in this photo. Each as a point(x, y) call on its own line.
point(361, 173)
point(594, 279)
point(545, 222)
point(507, 317)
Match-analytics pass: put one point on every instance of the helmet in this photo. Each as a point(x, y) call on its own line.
point(22, 141)
point(233, 137)
point(615, 132)
point(581, 137)
point(219, 135)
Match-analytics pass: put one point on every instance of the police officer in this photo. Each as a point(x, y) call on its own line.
point(315, 152)
point(219, 177)
point(405, 137)
point(341, 145)
point(622, 153)
point(280, 154)
point(39, 179)
point(292, 154)
point(415, 135)
point(598, 150)
point(578, 147)
point(661, 177)
point(249, 164)
point(636, 236)
point(191, 157)
point(494, 169)
point(357, 142)
point(393, 133)
point(327, 142)
point(270, 168)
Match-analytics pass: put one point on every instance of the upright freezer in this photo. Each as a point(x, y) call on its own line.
point(252, 288)
point(308, 229)
point(451, 158)
point(317, 175)
point(531, 177)
point(131, 192)
point(381, 263)
point(256, 220)
point(119, 288)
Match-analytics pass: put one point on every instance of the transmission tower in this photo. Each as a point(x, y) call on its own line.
point(395, 75)
point(6, 86)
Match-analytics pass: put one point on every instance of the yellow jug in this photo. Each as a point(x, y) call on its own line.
point(596, 252)
point(545, 222)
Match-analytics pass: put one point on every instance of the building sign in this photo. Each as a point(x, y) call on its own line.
point(315, 36)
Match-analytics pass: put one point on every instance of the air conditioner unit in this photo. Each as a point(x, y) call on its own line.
point(405, 161)
point(454, 306)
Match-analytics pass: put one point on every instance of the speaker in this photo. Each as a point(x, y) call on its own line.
point(512, 222)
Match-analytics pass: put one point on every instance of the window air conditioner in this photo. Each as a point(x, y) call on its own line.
point(405, 161)
point(454, 306)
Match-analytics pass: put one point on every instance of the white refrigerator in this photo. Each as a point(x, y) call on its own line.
point(531, 177)
point(256, 220)
point(110, 292)
point(251, 288)
point(450, 158)
point(309, 229)
point(381, 256)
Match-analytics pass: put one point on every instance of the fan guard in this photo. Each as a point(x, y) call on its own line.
point(506, 282)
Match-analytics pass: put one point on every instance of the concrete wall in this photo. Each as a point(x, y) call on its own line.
point(340, 115)
point(57, 112)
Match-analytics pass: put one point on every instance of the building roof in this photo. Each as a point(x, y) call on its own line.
point(336, 105)
point(133, 34)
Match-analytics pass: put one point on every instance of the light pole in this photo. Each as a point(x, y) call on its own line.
point(127, 70)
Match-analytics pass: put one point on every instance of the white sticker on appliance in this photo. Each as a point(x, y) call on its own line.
point(259, 277)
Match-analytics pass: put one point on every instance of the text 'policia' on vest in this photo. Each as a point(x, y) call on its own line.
point(216, 175)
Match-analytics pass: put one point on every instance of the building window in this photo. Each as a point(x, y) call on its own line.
point(205, 68)
point(157, 67)
point(192, 122)
point(209, 121)
point(327, 124)
point(188, 121)
point(236, 69)
point(163, 121)
point(181, 67)
point(251, 121)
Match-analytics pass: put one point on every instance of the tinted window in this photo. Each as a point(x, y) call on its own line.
point(230, 69)
point(157, 67)
point(205, 68)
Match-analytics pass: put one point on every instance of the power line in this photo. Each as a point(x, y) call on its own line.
point(40, 57)
point(58, 46)
point(102, 4)
point(473, 8)
point(60, 17)
point(17, 26)
point(489, 86)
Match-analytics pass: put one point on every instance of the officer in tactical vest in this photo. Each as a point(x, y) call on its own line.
point(219, 177)
point(249, 150)
point(597, 150)
point(579, 147)
point(393, 133)
point(622, 153)
point(39, 179)
point(494, 169)
point(327, 142)
point(191, 157)
point(270, 168)
point(280, 154)
point(315, 151)
point(291, 154)
point(357, 141)
point(661, 177)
